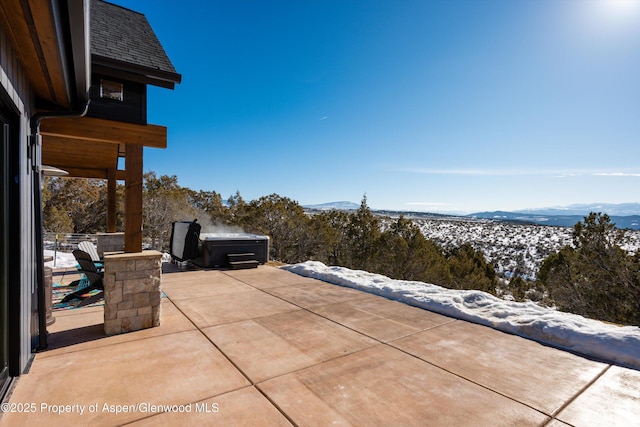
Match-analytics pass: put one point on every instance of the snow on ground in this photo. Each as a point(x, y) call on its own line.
point(616, 344)
point(61, 259)
point(66, 259)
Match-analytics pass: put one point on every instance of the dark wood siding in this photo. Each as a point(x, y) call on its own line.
point(132, 108)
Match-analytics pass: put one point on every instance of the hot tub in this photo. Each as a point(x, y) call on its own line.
point(214, 248)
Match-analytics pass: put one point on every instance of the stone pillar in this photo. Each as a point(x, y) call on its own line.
point(132, 291)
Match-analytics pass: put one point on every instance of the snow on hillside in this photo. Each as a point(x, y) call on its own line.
point(511, 247)
point(615, 344)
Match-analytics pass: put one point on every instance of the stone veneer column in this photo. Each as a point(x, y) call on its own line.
point(132, 291)
point(110, 242)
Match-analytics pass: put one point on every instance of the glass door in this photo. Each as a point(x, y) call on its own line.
point(4, 276)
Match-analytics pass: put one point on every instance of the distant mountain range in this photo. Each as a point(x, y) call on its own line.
point(629, 221)
point(624, 215)
point(611, 209)
point(334, 205)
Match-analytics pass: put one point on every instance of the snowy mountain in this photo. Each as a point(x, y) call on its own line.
point(560, 220)
point(343, 206)
point(611, 209)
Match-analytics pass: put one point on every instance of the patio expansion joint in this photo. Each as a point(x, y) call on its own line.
point(275, 405)
point(390, 345)
point(468, 379)
point(212, 343)
point(244, 374)
point(310, 310)
point(44, 353)
point(551, 416)
point(578, 394)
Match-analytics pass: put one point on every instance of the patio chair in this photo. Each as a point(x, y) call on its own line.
point(86, 263)
point(93, 275)
point(90, 248)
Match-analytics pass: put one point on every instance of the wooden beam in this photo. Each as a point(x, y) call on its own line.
point(133, 199)
point(109, 131)
point(72, 153)
point(111, 201)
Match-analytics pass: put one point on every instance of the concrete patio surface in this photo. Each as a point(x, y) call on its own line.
point(266, 347)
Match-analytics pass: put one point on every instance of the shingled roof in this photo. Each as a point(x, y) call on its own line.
point(123, 40)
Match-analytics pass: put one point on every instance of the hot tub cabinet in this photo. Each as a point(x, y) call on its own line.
point(216, 249)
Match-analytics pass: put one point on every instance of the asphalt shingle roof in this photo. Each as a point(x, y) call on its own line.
point(123, 35)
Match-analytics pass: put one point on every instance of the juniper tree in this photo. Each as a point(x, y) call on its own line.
point(595, 278)
point(210, 203)
point(404, 253)
point(76, 205)
point(363, 232)
point(333, 241)
point(164, 201)
point(470, 270)
point(284, 221)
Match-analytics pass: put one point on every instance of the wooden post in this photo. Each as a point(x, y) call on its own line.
point(111, 200)
point(133, 198)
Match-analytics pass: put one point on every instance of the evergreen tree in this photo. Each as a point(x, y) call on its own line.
point(404, 253)
point(470, 270)
point(333, 242)
point(76, 205)
point(285, 222)
point(363, 232)
point(237, 209)
point(210, 203)
point(596, 278)
point(164, 202)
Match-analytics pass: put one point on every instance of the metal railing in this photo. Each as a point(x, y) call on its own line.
point(66, 242)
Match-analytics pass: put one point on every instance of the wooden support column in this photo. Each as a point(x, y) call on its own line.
point(133, 198)
point(111, 200)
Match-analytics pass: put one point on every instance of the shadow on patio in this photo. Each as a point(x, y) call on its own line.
point(268, 347)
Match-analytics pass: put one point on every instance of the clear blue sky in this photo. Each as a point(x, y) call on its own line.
point(437, 105)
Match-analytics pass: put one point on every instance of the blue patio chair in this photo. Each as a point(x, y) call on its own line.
point(93, 275)
point(90, 248)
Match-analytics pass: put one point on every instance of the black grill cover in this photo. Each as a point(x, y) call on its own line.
point(184, 240)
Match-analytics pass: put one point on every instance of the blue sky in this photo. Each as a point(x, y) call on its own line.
point(432, 105)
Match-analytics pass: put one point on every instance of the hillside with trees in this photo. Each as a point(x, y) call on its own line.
point(595, 277)
point(592, 276)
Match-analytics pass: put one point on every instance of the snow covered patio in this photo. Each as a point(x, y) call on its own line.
point(269, 347)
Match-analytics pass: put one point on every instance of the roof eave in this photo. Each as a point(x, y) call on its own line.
point(50, 40)
point(134, 72)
